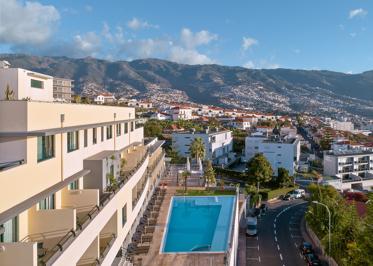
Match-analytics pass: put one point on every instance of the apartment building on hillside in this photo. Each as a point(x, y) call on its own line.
point(75, 179)
point(218, 145)
point(62, 89)
point(280, 152)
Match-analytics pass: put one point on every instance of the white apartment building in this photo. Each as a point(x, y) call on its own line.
point(342, 125)
point(75, 179)
point(104, 98)
point(25, 84)
point(62, 89)
point(280, 152)
point(218, 145)
point(181, 113)
point(352, 166)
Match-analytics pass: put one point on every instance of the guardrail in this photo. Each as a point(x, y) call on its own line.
point(7, 165)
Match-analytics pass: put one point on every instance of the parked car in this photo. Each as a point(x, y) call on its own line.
point(263, 208)
point(306, 248)
point(288, 197)
point(312, 259)
point(299, 193)
point(251, 226)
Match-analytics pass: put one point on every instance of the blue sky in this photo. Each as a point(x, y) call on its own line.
point(318, 34)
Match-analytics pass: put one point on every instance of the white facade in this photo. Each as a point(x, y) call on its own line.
point(180, 113)
point(218, 145)
point(280, 153)
point(104, 98)
point(160, 116)
point(342, 125)
point(26, 84)
point(352, 166)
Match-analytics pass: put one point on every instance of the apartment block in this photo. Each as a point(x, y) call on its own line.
point(75, 178)
point(280, 152)
point(352, 166)
point(218, 145)
point(62, 89)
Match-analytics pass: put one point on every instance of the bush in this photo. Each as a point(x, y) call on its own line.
point(230, 173)
point(268, 194)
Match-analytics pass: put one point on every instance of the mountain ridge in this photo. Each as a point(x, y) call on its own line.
point(287, 90)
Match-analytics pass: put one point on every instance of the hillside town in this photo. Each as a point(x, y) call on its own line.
point(126, 159)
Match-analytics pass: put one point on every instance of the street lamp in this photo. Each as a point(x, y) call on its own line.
point(327, 208)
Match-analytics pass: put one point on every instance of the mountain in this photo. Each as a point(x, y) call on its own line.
point(285, 90)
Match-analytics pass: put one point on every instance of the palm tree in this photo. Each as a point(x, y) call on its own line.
point(209, 174)
point(185, 175)
point(9, 93)
point(197, 149)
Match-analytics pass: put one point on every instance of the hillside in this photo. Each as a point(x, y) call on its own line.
point(319, 92)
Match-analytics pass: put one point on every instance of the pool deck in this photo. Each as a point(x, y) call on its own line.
point(154, 257)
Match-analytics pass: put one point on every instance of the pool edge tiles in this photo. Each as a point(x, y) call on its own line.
point(218, 240)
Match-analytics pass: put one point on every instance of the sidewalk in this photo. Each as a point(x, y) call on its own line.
point(241, 260)
point(315, 244)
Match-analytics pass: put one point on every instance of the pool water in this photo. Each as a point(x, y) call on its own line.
point(198, 224)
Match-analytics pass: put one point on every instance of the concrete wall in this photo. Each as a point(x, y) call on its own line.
point(18, 254)
point(80, 198)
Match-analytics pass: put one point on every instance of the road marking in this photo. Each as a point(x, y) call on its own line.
point(275, 238)
point(274, 225)
point(278, 247)
point(300, 255)
point(296, 245)
point(275, 219)
point(256, 247)
point(257, 259)
point(280, 256)
point(275, 231)
point(257, 238)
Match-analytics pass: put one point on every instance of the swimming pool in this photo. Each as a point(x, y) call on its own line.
point(198, 224)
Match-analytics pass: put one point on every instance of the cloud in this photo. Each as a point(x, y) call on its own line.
point(353, 34)
point(359, 12)
point(26, 23)
point(186, 56)
point(261, 64)
point(247, 42)
point(191, 40)
point(136, 24)
point(87, 44)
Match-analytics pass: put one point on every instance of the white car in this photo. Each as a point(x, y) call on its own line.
point(251, 226)
point(298, 193)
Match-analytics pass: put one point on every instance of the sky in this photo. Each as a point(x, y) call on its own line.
point(299, 34)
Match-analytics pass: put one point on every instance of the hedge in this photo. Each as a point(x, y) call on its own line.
point(268, 194)
point(230, 173)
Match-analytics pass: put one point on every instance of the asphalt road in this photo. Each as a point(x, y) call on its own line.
point(279, 236)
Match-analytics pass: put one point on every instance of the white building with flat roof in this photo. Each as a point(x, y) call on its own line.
point(354, 167)
point(25, 84)
point(75, 180)
point(218, 145)
point(280, 152)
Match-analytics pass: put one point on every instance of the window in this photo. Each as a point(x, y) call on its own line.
point(85, 137)
point(109, 132)
point(132, 126)
point(37, 84)
point(102, 134)
point(10, 231)
point(124, 215)
point(45, 148)
point(47, 203)
point(72, 141)
point(94, 135)
point(125, 128)
point(74, 185)
point(119, 129)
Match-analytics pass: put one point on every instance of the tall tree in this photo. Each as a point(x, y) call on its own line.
point(209, 174)
point(197, 149)
point(185, 176)
point(152, 128)
point(283, 177)
point(259, 169)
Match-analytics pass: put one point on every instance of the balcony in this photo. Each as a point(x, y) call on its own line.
point(134, 160)
point(7, 165)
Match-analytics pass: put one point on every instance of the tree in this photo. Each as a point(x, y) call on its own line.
point(197, 149)
point(76, 99)
point(185, 176)
point(9, 93)
point(283, 177)
point(260, 169)
point(152, 128)
point(209, 174)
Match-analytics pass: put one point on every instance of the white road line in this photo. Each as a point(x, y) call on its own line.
point(275, 238)
point(274, 225)
point(300, 255)
point(280, 256)
point(278, 247)
point(259, 259)
point(257, 238)
point(275, 231)
point(296, 245)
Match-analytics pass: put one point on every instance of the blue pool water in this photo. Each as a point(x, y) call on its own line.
point(199, 224)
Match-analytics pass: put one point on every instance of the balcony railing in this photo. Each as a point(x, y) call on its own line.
point(83, 223)
point(107, 247)
point(7, 165)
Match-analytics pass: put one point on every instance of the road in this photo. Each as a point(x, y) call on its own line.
point(279, 236)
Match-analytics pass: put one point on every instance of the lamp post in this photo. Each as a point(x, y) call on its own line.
point(327, 208)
